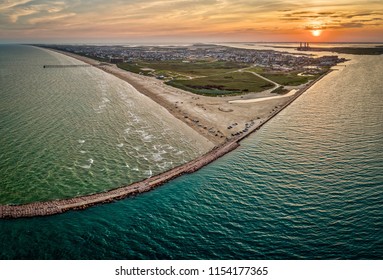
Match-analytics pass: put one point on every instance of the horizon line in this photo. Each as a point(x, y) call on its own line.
point(187, 43)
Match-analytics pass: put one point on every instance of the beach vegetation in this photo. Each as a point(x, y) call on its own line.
point(133, 67)
point(223, 84)
point(280, 90)
point(190, 69)
point(215, 78)
point(256, 69)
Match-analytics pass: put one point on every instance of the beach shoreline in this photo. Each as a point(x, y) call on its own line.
point(211, 117)
point(77, 203)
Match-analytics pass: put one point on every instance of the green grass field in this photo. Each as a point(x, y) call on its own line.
point(288, 79)
point(256, 69)
point(215, 77)
point(196, 68)
point(223, 84)
point(179, 68)
point(282, 78)
point(132, 67)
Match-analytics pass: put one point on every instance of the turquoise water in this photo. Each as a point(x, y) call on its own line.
point(308, 185)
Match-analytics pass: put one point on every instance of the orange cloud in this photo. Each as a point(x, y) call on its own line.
point(249, 20)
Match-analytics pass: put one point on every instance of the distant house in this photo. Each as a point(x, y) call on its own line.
point(116, 60)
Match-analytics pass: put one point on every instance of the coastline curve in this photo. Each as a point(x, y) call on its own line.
point(82, 202)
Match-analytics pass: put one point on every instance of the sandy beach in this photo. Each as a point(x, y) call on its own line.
point(261, 99)
point(216, 118)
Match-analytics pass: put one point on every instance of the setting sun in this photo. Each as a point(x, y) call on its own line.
point(316, 33)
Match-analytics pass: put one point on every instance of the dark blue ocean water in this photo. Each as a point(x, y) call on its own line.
point(308, 185)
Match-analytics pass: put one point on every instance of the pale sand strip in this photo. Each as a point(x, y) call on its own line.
point(290, 93)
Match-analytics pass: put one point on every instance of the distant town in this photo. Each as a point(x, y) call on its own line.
point(212, 70)
point(264, 58)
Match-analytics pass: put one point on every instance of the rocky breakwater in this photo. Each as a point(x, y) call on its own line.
point(77, 203)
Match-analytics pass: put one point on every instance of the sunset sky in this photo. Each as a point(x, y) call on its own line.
point(76, 21)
